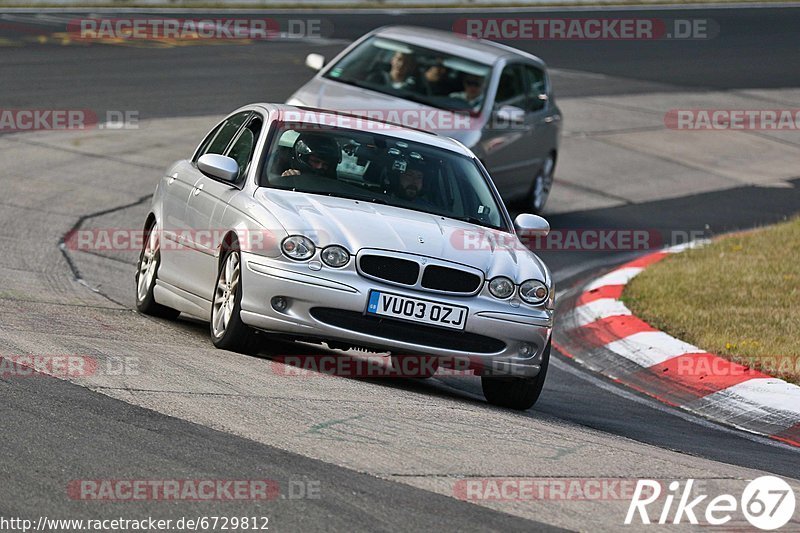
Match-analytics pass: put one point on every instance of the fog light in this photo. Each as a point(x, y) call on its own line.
point(526, 350)
point(279, 303)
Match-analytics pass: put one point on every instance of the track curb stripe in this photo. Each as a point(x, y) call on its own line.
point(601, 333)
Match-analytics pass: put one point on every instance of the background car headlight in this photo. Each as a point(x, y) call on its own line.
point(501, 287)
point(335, 256)
point(533, 291)
point(298, 247)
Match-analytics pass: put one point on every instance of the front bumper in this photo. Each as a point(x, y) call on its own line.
point(503, 337)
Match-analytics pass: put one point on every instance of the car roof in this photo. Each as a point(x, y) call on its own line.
point(480, 50)
point(309, 115)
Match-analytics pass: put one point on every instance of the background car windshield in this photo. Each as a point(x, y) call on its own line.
point(414, 73)
point(382, 169)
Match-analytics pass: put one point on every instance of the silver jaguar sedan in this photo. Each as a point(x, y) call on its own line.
point(496, 100)
point(326, 227)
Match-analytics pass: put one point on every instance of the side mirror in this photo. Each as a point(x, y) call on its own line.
point(315, 61)
point(218, 166)
point(532, 225)
point(509, 115)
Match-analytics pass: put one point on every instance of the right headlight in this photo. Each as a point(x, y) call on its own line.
point(501, 287)
point(533, 291)
point(298, 247)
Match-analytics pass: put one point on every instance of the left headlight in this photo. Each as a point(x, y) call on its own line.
point(298, 247)
point(533, 291)
point(335, 256)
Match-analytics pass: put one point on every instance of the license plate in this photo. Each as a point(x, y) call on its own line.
point(417, 310)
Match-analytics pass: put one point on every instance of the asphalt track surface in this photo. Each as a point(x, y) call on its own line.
point(755, 48)
point(54, 431)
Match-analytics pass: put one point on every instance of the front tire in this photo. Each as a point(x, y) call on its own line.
point(542, 184)
point(147, 274)
point(228, 332)
point(516, 393)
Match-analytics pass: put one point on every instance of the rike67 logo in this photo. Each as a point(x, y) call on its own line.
point(767, 503)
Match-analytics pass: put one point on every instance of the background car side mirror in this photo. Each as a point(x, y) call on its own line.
point(532, 225)
point(509, 115)
point(218, 166)
point(315, 61)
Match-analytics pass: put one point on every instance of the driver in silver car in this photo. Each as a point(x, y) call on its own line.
point(410, 183)
point(315, 154)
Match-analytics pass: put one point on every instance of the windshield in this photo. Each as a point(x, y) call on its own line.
point(414, 73)
point(381, 169)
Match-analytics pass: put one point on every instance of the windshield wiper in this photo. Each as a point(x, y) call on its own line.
point(477, 222)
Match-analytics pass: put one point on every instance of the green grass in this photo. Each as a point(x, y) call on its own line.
point(738, 297)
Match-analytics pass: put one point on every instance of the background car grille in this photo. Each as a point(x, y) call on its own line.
point(441, 278)
point(407, 332)
point(390, 268)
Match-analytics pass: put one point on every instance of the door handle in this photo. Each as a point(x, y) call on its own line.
point(172, 178)
point(198, 189)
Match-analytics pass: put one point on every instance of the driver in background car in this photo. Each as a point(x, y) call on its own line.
point(315, 154)
point(402, 68)
point(438, 80)
point(473, 91)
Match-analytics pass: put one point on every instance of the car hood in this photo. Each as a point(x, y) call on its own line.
point(357, 225)
point(328, 94)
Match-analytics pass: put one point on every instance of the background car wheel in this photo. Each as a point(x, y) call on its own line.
point(228, 332)
point(516, 393)
point(542, 184)
point(146, 275)
point(415, 366)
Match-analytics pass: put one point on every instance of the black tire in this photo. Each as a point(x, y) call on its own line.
point(415, 366)
point(541, 186)
point(234, 335)
point(145, 302)
point(516, 393)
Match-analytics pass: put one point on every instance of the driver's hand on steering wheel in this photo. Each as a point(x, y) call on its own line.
point(290, 172)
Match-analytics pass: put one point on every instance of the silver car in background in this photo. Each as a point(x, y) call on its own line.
point(326, 227)
point(430, 79)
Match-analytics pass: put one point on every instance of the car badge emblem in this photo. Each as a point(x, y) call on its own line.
point(420, 239)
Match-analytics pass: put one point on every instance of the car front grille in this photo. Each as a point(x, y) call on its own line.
point(439, 278)
point(407, 332)
point(390, 269)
